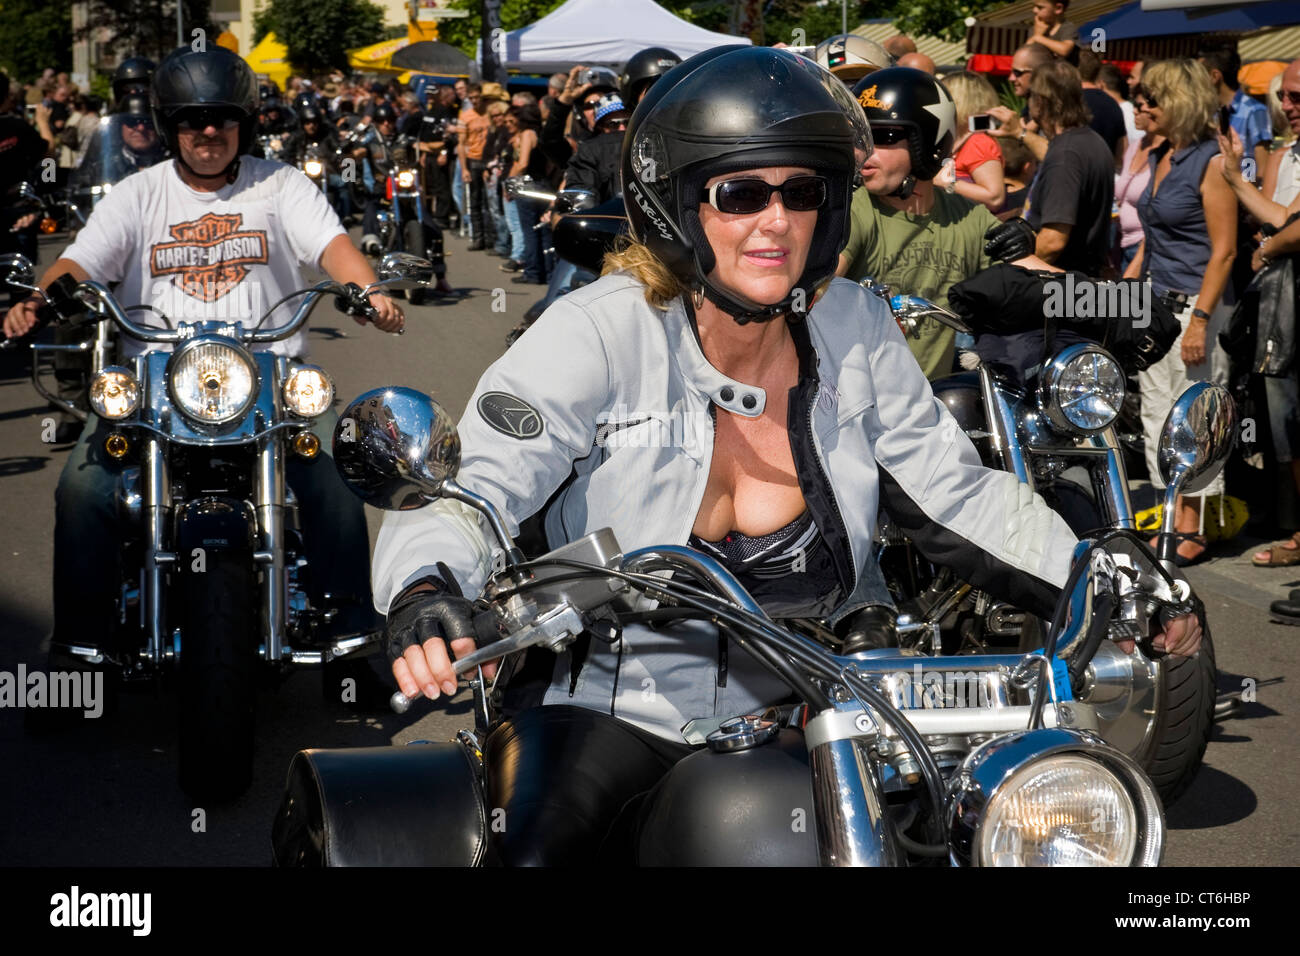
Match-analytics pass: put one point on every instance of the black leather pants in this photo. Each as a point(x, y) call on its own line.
point(558, 778)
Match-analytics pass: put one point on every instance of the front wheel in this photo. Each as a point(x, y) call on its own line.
point(1187, 692)
point(217, 678)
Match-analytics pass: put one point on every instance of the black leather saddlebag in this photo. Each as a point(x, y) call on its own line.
point(418, 805)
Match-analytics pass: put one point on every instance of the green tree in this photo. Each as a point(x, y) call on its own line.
point(318, 33)
point(37, 34)
point(147, 27)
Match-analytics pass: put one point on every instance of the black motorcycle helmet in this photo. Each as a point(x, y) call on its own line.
point(310, 114)
point(919, 104)
point(215, 77)
point(384, 111)
point(136, 105)
point(133, 75)
point(644, 69)
point(728, 109)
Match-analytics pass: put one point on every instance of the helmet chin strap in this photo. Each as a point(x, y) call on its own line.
point(905, 188)
point(744, 312)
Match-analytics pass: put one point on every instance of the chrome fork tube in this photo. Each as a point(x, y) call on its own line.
point(853, 828)
point(1002, 424)
point(99, 356)
point(270, 519)
point(1115, 493)
point(157, 506)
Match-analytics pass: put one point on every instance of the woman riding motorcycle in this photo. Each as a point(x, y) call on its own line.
point(712, 389)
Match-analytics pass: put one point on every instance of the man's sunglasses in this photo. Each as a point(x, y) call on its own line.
point(1292, 96)
point(747, 196)
point(197, 120)
point(1017, 74)
point(138, 122)
point(888, 135)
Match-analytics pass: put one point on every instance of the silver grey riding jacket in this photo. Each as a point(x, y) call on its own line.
point(605, 400)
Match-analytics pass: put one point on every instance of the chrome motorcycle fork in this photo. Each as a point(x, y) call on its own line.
point(1000, 414)
point(853, 827)
point(1115, 493)
point(103, 344)
point(270, 520)
point(157, 506)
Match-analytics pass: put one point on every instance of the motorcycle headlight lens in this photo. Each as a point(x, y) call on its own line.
point(1085, 390)
point(212, 382)
point(312, 167)
point(115, 393)
point(406, 179)
point(308, 391)
point(1065, 810)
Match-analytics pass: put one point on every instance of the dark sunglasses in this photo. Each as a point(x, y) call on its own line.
point(1017, 74)
point(1145, 95)
point(197, 120)
point(590, 104)
point(888, 135)
point(138, 122)
point(1292, 96)
point(747, 196)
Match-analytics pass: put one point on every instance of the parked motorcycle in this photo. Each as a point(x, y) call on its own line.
point(582, 231)
point(1056, 432)
point(213, 562)
point(890, 758)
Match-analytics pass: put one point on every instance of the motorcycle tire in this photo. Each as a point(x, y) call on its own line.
point(1188, 689)
point(217, 679)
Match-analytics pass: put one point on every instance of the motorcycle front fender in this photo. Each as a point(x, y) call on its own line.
point(418, 805)
point(214, 523)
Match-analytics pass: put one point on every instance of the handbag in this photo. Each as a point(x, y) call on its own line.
point(1260, 333)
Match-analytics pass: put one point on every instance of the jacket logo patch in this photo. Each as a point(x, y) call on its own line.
point(510, 415)
point(210, 255)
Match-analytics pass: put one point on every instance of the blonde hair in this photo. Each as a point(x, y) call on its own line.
point(661, 285)
point(1184, 94)
point(971, 93)
point(1281, 125)
point(496, 108)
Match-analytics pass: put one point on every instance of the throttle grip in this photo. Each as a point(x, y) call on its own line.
point(486, 631)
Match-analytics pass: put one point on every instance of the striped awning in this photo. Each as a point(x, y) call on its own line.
point(1002, 31)
point(943, 52)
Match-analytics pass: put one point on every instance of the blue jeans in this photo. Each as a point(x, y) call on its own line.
point(530, 213)
point(500, 221)
point(1126, 256)
point(516, 230)
point(89, 537)
point(457, 186)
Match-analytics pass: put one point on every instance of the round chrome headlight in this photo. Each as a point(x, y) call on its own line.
point(212, 380)
point(1053, 797)
point(114, 393)
point(312, 168)
point(1062, 811)
point(406, 178)
point(308, 391)
point(1083, 389)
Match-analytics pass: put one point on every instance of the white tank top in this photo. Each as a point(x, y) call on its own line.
point(1288, 177)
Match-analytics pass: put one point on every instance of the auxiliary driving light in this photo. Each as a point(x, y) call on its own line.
point(114, 393)
point(116, 445)
point(306, 445)
point(308, 391)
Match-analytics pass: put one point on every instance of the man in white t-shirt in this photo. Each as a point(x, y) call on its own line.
point(210, 234)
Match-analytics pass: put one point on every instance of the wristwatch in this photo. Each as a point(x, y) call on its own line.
point(1200, 314)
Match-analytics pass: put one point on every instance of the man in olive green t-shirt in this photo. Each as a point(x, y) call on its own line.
point(933, 241)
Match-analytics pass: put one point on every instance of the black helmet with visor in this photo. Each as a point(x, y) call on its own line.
point(730, 109)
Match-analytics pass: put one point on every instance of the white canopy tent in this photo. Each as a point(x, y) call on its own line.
point(603, 33)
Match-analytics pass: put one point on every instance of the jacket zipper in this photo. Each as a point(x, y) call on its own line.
point(826, 482)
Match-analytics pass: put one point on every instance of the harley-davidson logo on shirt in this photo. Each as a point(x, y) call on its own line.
point(210, 255)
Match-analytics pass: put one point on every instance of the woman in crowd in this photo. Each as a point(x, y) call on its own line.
point(525, 123)
point(1130, 182)
point(977, 160)
point(1189, 225)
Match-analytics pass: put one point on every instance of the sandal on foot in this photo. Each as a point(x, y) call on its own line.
point(1202, 555)
point(1279, 555)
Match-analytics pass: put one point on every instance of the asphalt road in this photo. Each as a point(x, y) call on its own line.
point(105, 793)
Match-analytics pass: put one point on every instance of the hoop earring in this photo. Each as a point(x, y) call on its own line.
point(697, 298)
